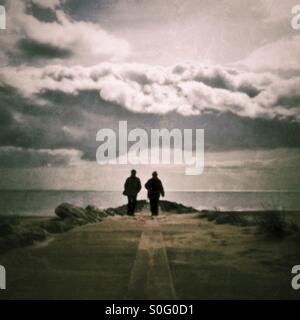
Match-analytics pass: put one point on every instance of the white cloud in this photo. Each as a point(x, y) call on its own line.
point(87, 41)
point(187, 89)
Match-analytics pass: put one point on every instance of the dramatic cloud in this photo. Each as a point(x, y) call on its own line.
point(186, 89)
point(85, 41)
point(70, 68)
point(69, 117)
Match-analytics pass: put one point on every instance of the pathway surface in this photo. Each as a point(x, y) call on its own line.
point(172, 257)
point(151, 276)
point(119, 258)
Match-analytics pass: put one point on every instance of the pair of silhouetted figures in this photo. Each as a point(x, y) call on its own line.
point(133, 186)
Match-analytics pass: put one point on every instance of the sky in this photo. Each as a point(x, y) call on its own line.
point(69, 68)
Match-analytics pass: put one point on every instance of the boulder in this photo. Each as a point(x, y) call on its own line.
point(169, 206)
point(69, 211)
point(95, 213)
point(165, 206)
point(21, 238)
point(122, 210)
point(56, 226)
point(110, 212)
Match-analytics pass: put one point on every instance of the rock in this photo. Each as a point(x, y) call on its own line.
point(140, 205)
point(109, 212)
point(77, 215)
point(169, 206)
point(56, 226)
point(67, 210)
point(13, 233)
point(166, 206)
point(95, 213)
point(21, 238)
point(122, 210)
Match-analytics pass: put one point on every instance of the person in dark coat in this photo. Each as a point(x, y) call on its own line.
point(155, 190)
point(132, 187)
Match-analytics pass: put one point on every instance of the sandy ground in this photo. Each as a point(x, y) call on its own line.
point(172, 257)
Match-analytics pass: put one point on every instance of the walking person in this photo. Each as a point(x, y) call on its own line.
point(132, 187)
point(155, 190)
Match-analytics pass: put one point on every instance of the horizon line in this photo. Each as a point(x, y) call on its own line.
point(170, 190)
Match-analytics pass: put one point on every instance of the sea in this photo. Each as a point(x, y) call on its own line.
point(43, 203)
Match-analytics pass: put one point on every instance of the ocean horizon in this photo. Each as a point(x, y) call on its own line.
point(44, 202)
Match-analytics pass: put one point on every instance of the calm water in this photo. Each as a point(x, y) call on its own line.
point(44, 202)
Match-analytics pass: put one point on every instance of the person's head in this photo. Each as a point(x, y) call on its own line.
point(154, 174)
point(133, 173)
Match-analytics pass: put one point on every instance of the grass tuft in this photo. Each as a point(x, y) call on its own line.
point(274, 224)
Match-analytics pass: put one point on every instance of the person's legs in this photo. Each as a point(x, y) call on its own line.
point(154, 205)
point(129, 205)
point(133, 204)
point(151, 205)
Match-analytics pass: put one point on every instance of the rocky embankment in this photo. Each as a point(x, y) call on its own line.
point(22, 231)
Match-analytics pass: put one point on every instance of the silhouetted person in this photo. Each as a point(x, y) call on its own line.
point(155, 190)
point(132, 187)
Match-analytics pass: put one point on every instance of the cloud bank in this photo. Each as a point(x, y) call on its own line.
point(69, 68)
point(186, 89)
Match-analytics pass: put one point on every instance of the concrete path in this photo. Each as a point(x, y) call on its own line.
point(173, 256)
point(119, 258)
point(151, 277)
